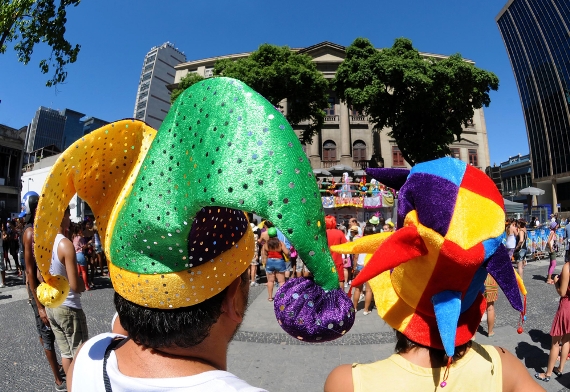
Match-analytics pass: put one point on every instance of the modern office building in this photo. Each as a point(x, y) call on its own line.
point(11, 155)
point(153, 98)
point(346, 137)
point(535, 33)
point(58, 128)
point(46, 128)
point(73, 127)
point(93, 123)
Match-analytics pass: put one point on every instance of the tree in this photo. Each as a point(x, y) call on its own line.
point(277, 73)
point(184, 83)
point(425, 101)
point(29, 22)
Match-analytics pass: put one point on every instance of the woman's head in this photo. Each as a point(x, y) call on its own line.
point(273, 243)
point(521, 224)
point(330, 222)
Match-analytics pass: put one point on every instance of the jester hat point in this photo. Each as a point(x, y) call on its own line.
point(170, 205)
point(428, 276)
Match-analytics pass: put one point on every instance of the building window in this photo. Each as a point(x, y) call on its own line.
point(145, 86)
point(355, 112)
point(141, 105)
point(142, 95)
point(329, 151)
point(330, 110)
point(150, 59)
point(473, 158)
point(455, 153)
point(359, 151)
point(397, 157)
point(146, 76)
point(148, 67)
point(140, 114)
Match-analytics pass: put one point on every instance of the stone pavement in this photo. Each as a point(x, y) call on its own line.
point(263, 354)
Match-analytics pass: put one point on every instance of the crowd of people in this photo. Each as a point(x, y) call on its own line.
point(175, 327)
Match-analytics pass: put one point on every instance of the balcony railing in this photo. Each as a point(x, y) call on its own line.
point(358, 119)
point(332, 119)
point(360, 164)
point(326, 164)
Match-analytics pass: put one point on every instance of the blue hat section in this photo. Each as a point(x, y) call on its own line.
point(477, 286)
point(447, 308)
point(492, 244)
point(452, 170)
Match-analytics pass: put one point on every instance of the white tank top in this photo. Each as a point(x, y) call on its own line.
point(511, 241)
point(88, 375)
point(73, 299)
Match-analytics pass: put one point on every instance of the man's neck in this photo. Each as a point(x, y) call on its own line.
point(138, 361)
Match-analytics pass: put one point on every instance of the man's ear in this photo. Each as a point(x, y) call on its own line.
point(230, 305)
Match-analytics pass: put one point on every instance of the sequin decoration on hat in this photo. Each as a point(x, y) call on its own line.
point(167, 202)
point(427, 276)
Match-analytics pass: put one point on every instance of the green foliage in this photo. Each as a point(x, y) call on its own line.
point(184, 83)
point(425, 101)
point(277, 73)
point(29, 22)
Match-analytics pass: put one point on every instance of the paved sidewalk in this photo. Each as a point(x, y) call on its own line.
point(263, 354)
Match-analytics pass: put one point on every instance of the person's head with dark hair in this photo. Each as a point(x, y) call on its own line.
point(368, 230)
point(185, 327)
point(521, 223)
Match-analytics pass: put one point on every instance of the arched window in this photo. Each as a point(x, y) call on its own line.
point(359, 151)
point(329, 151)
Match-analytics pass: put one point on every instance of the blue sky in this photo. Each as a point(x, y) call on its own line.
point(115, 36)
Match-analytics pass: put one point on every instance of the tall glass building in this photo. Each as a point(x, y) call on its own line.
point(536, 34)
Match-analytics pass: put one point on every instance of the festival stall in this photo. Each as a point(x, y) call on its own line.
point(361, 199)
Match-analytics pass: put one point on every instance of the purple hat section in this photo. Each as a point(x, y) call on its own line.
point(432, 196)
point(500, 268)
point(305, 311)
point(393, 178)
point(214, 231)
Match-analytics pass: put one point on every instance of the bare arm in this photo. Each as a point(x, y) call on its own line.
point(284, 249)
point(31, 272)
point(66, 253)
point(515, 375)
point(561, 283)
point(264, 254)
point(340, 380)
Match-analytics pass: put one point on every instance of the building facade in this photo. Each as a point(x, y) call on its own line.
point(93, 123)
point(46, 129)
point(11, 154)
point(347, 137)
point(153, 98)
point(535, 34)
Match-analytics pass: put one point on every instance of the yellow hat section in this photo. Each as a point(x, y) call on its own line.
point(189, 287)
point(415, 275)
point(99, 168)
point(366, 244)
point(475, 219)
point(391, 308)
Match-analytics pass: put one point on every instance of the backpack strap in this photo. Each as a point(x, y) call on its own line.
point(115, 344)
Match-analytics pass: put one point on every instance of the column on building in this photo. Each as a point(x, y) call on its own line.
point(554, 197)
point(344, 125)
point(314, 155)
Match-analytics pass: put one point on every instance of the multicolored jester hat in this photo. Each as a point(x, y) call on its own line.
point(168, 205)
point(428, 276)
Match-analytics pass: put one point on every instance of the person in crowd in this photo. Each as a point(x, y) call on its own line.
point(359, 292)
point(560, 330)
point(89, 252)
point(436, 318)
point(375, 222)
point(551, 247)
point(336, 237)
point(98, 250)
point(80, 245)
point(67, 321)
point(47, 338)
point(521, 249)
point(491, 295)
point(511, 232)
point(2, 264)
point(388, 226)
point(567, 252)
point(273, 257)
point(8, 245)
point(255, 260)
point(352, 222)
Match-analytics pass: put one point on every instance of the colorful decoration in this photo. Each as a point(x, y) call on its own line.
point(168, 204)
point(427, 277)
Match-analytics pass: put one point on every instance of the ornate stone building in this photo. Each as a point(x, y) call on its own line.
point(347, 138)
